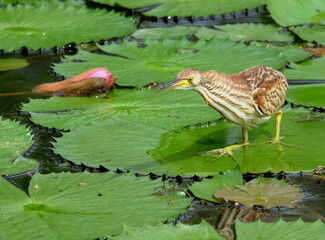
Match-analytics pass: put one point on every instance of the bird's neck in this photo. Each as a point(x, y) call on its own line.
point(222, 93)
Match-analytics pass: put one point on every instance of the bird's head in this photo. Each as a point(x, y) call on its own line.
point(188, 78)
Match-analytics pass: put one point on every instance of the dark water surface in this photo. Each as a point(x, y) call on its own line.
point(24, 79)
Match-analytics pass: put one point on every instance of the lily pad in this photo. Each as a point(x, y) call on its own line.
point(202, 231)
point(290, 52)
point(12, 63)
point(294, 12)
point(312, 69)
point(266, 194)
point(319, 18)
point(246, 32)
point(311, 33)
point(160, 33)
point(162, 60)
point(19, 27)
point(75, 2)
point(167, 110)
point(311, 95)
point(207, 187)
point(265, 180)
point(60, 204)
point(115, 144)
point(185, 150)
point(14, 140)
point(298, 230)
point(236, 32)
point(181, 8)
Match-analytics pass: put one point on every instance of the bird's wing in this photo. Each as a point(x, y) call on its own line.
point(269, 88)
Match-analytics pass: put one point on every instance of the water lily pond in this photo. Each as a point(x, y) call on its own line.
point(90, 150)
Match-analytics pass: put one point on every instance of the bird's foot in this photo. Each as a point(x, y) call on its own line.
point(276, 140)
point(226, 150)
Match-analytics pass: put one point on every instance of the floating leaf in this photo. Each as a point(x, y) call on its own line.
point(175, 32)
point(19, 27)
point(312, 69)
point(183, 8)
point(298, 230)
point(60, 204)
point(236, 32)
point(74, 2)
point(292, 53)
point(294, 12)
point(12, 63)
point(207, 187)
point(315, 51)
point(14, 140)
point(265, 180)
point(266, 194)
point(185, 150)
point(115, 144)
point(162, 60)
point(311, 33)
point(319, 18)
point(202, 231)
point(247, 31)
point(167, 110)
point(307, 95)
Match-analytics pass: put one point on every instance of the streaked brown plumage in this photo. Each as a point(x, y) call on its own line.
point(247, 98)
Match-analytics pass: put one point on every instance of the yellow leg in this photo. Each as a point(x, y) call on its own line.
point(228, 150)
point(276, 139)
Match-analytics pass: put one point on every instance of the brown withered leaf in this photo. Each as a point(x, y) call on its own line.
point(266, 194)
point(318, 51)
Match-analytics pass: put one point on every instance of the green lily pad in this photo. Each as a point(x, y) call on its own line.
point(312, 69)
point(181, 8)
point(207, 187)
point(202, 231)
point(12, 63)
point(294, 12)
point(185, 150)
point(162, 60)
point(247, 31)
point(265, 180)
point(311, 33)
point(236, 32)
point(167, 110)
point(160, 33)
point(60, 204)
point(311, 95)
point(115, 144)
point(266, 194)
point(290, 52)
point(14, 140)
point(298, 230)
point(74, 2)
point(19, 27)
point(319, 18)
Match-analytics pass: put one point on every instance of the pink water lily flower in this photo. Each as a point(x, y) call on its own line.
point(91, 81)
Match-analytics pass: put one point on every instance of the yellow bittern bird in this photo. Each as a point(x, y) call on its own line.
point(248, 98)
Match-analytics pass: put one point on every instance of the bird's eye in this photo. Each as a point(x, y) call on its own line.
point(190, 80)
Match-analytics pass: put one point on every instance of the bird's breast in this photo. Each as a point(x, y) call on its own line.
point(233, 108)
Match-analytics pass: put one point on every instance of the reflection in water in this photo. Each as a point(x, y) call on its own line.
point(227, 219)
point(223, 217)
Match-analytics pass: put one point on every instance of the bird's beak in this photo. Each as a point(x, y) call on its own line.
point(177, 83)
